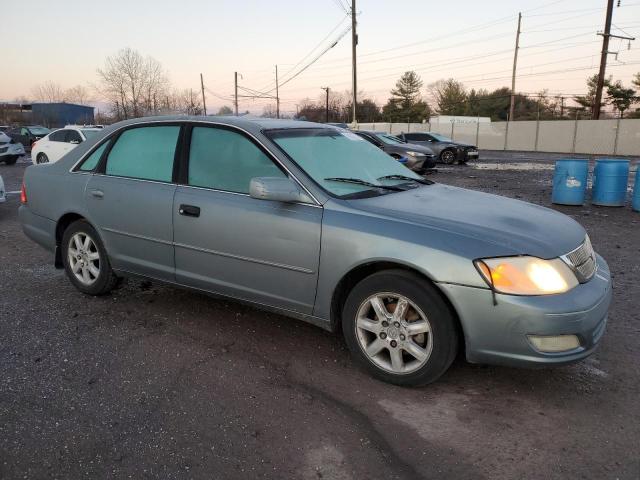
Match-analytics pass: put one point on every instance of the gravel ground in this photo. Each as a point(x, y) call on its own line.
point(156, 382)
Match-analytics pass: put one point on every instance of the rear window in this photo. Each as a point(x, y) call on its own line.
point(145, 153)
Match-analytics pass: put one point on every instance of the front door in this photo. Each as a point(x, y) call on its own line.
point(230, 243)
point(130, 200)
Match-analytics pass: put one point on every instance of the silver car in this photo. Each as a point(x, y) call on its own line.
point(316, 223)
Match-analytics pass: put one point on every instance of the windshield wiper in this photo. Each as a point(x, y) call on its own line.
point(363, 182)
point(404, 177)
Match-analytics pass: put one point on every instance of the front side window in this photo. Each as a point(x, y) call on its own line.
point(417, 136)
point(58, 136)
point(144, 152)
point(331, 153)
point(226, 160)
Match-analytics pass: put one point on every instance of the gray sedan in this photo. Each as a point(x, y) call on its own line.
point(316, 223)
point(416, 157)
point(446, 150)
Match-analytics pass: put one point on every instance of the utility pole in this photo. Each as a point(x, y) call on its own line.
point(561, 107)
point(277, 95)
point(595, 110)
point(235, 81)
point(204, 101)
point(354, 43)
point(326, 116)
point(513, 75)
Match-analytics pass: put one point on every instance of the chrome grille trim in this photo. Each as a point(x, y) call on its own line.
point(582, 261)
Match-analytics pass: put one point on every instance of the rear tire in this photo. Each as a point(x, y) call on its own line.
point(85, 259)
point(11, 160)
point(42, 158)
point(399, 328)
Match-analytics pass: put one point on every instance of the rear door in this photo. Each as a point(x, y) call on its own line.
point(230, 243)
point(130, 199)
point(53, 146)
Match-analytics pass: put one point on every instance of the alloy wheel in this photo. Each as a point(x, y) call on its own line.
point(394, 333)
point(84, 258)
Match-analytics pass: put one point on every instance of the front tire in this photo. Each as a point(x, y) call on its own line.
point(11, 160)
point(398, 327)
point(447, 157)
point(42, 158)
point(85, 259)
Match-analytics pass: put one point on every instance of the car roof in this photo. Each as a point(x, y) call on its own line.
point(249, 123)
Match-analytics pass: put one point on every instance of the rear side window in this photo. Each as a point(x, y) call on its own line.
point(226, 160)
point(73, 136)
point(92, 160)
point(146, 153)
point(58, 136)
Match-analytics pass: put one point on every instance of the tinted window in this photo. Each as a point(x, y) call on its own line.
point(73, 136)
point(226, 160)
point(92, 160)
point(58, 136)
point(416, 136)
point(146, 153)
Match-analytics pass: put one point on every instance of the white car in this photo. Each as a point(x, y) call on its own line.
point(3, 198)
point(10, 151)
point(54, 146)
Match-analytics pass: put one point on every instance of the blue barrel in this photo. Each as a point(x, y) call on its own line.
point(570, 181)
point(610, 178)
point(635, 203)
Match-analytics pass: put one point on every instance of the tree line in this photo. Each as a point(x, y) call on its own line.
point(408, 103)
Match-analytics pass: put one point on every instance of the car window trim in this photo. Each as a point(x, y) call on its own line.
point(117, 132)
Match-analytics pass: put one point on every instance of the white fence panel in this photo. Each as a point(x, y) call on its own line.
point(596, 136)
point(492, 135)
point(522, 136)
point(556, 136)
point(629, 137)
point(593, 137)
point(465, 132)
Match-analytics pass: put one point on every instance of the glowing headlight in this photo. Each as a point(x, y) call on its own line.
point(527, 275)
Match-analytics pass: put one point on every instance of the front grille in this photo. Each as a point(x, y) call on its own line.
point(583, 260)
point(4, 149)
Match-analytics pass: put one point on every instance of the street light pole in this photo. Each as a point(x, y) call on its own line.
point(354, 43)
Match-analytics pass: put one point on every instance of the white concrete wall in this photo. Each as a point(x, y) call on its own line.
point(595, 137)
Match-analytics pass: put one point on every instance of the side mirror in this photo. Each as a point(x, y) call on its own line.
point(277, 189)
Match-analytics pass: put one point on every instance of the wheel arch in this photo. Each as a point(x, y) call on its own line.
point(63, 222)
point(361, 271)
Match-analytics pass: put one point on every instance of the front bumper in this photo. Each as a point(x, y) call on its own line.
point(498, 334)
point(11, 149)
point(418, 163)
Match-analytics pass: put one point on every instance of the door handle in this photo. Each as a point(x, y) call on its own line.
point(189, 211)
point(97, 193)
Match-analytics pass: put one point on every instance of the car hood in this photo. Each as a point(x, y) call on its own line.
point(513, 226)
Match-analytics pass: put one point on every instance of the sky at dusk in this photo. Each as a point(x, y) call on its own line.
point(471, 41)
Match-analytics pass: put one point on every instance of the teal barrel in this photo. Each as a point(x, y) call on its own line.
point(610, 178)
point(570, 181)
point(635, 203)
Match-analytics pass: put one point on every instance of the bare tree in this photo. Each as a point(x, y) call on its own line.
point(47, 92)
point(269, 111)
point(77, 94)
point(134, 85)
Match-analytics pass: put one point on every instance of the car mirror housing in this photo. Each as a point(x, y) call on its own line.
point(277, 189)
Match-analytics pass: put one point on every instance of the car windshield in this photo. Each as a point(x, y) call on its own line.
point(388, 139)
point(89, 132)
point(39, 130)
point(339, 154)
point(441, 138)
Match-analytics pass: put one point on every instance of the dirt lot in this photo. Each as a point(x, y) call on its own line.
point(155, 382)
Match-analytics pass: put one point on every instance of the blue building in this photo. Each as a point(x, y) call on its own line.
point(55, 115)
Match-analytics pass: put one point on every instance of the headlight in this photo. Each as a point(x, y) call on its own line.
point(414, 154)
point(527, 275)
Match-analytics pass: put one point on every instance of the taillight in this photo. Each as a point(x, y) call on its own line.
point(33, 144)
point(23, 194)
